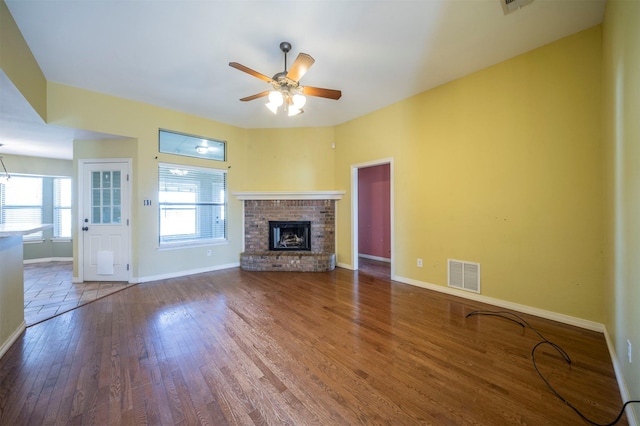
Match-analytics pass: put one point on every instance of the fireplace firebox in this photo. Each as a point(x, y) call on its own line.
point(290, 235)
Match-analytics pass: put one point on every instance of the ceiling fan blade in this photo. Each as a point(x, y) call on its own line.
point(302, 63)
point(250, 71)
point(322, 93)
point(256, 96)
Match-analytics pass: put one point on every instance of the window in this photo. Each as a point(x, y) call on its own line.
point(21, 202)
point(191, 146)
point(192, 205)
point(62, 208)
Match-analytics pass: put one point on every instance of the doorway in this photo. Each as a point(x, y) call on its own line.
point(372, 213)
point(104, 243)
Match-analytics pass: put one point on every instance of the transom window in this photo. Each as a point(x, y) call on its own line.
point(192, 146)
point(192, 205)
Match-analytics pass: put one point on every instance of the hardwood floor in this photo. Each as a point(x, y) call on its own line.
point(235, 347)
point(374, 268)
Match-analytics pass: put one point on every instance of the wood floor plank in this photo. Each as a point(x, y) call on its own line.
point(342, 347)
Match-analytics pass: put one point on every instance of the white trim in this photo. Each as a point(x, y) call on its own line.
point(61, 240)
point(183, 273)
point(195, 244)
point(184, 166)
point(378, 258)
point(79, 210)
point(290, 195)
point(355, 248)
point(354, 209)
point(622, 384)
point(542, 313)
point(243, 236)
point(345, 266)
point(33, 241)
point(554, 316)
point(335, 230)
point(12, 339)
point(48, 259)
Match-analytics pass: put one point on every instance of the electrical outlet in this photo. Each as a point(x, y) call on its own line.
point(629, 350)
point(208, 252)
point(419, 263)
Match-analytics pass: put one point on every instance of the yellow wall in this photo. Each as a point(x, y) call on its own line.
point(502, 167)
point(299, 159)
point(621, 134)
point(20, 164)
point(261, 159)
point(77, 108)
point(18, 63)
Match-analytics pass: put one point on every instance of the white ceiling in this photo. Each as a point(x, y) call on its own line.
point(175, 54)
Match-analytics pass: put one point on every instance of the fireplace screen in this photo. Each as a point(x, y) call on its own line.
point(292, 236)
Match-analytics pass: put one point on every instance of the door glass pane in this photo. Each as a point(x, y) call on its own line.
point(95, 180)
point(95, 215)
point(117, 218)
point(116, 179)
point(106, 197)
point(106, 179)
point(106, 215)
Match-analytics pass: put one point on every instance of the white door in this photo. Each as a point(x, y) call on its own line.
point(104, 221)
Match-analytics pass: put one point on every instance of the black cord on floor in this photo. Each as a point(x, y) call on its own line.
point(544, 341)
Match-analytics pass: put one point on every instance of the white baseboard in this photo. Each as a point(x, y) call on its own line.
point(554, 316)
point(622, 384)
point(345, 266)
point(183, 273)
point(48, 259)
point(11, 340)
point(378, 258)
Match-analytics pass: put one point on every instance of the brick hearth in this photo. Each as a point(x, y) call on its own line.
point(258, 213)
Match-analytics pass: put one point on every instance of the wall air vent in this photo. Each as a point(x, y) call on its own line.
point(509, 6)
point(464, 275)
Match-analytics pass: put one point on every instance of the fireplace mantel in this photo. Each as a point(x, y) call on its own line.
point(289, 195)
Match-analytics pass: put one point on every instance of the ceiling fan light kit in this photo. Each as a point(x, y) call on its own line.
point(287, 91)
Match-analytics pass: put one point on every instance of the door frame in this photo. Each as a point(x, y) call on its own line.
point(355, 207)
point(79, 210)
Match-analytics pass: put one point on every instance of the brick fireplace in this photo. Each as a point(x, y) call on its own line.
point(317, 208)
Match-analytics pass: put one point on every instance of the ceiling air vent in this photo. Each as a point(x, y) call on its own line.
point(509, 6)
point(464, 275)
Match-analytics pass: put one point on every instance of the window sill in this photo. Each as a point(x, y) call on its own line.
point(179, 246)
point(61, 240)
point(33, 241)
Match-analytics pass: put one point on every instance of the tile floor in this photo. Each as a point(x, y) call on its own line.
point(48, 290)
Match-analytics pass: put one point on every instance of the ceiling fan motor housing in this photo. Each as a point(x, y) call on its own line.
point(285, 46)
point(287, 81)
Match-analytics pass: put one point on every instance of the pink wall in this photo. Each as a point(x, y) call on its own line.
point(374, 211)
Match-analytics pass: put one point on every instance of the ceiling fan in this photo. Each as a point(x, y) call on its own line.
point(287, 91)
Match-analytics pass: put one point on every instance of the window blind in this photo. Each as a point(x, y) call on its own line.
point(192, 204)
point(62, 207)
point(21, 202)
